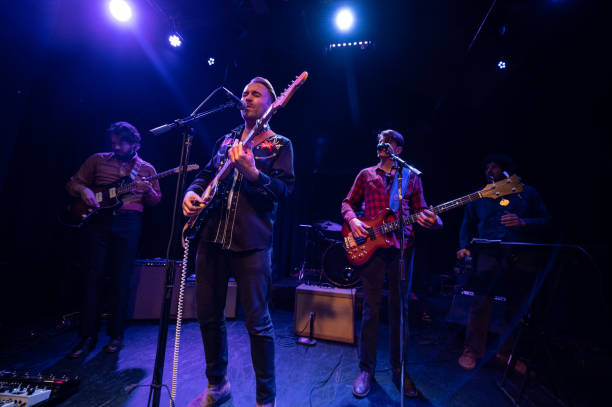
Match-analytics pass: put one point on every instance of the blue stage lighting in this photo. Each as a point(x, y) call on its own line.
point(120, 10)
point(211, 61)
point(501, 65)
point(344, 19)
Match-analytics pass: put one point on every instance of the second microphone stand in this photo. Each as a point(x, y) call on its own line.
point(403, 287)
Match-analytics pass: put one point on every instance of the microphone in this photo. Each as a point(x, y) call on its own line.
point(237, 101)
point(383, 146)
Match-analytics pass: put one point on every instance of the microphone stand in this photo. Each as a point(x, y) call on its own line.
point(162, 336)
point(399, 166)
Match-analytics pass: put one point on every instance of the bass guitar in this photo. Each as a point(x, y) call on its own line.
point(381, 227)
point(194, 223)
point(77, 212)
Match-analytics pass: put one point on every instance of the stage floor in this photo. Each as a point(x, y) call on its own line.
point(306, 376)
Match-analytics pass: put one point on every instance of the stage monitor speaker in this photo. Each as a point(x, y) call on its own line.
point(332, 309)
point(148, 289)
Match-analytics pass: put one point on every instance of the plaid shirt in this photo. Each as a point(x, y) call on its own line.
point(371, 190)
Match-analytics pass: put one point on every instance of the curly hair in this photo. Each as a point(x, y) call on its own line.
point(125, 131)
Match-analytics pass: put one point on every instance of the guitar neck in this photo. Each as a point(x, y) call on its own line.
point(455, 203)
point(128, 188)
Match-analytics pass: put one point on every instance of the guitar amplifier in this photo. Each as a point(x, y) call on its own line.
point(462, 303)
point(332, 310)
point(147, 290)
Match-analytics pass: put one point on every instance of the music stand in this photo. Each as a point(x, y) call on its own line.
point(543, 258)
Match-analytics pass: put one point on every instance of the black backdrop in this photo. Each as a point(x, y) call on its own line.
point(69, 72)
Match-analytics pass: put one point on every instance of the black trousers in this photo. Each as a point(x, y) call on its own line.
point(383, 263)
point(252, 271)
point(112, 246)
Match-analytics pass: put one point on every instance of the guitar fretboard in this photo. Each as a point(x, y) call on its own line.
point(408, 220)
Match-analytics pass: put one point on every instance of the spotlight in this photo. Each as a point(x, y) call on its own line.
point(175, 40)
point(120, 10)
point(501, 65)
point(211, 61)
point(344, 19)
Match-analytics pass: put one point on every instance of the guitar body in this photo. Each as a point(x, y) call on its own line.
point(78, 213)
point(359, 251)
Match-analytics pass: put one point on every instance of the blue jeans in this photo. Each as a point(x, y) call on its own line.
point(252, 271)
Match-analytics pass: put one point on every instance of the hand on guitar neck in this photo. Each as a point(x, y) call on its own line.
point(242, 158)
point(142, 186)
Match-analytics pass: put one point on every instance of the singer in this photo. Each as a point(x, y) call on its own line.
point(376, 188)
point(237, 239)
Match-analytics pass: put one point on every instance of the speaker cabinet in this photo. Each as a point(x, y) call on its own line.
point(147, 291)
point(332, 310)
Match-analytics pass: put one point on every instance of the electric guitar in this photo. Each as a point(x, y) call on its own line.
point(77, 212)
point(194, 223)
point(381, 227)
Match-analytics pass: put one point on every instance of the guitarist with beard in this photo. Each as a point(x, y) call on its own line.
point(236, 239)
point(112, 236)
point(376, 189)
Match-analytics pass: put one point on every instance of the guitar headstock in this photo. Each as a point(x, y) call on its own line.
point(190, 167)
point(283, 99)
point(506, 186)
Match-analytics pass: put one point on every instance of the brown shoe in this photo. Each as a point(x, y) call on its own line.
point(410, 389)
point(83, 348)
point(467, 360)
point(114, 345)
point(214, 395)
point(362, 384)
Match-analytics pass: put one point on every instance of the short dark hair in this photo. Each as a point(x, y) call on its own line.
point(267, 84)
point(125, 131)
point(392, 135)
point(504, 161)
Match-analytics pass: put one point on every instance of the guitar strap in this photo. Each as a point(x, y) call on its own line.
point(394, 194)
point(135, 169)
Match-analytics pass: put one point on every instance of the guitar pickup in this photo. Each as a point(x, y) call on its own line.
point(371, 234)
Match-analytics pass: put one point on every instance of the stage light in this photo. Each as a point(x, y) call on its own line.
point(344, 19)
point(501, 65)
point(211, 61)
point(175, 40)
point(360, 44)
point(120, 10)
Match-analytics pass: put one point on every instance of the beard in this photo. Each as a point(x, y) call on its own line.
point(125, 156)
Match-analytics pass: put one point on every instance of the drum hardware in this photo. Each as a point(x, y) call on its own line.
point(325, 257)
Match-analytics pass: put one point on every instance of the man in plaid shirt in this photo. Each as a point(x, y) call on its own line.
point(375, 189)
